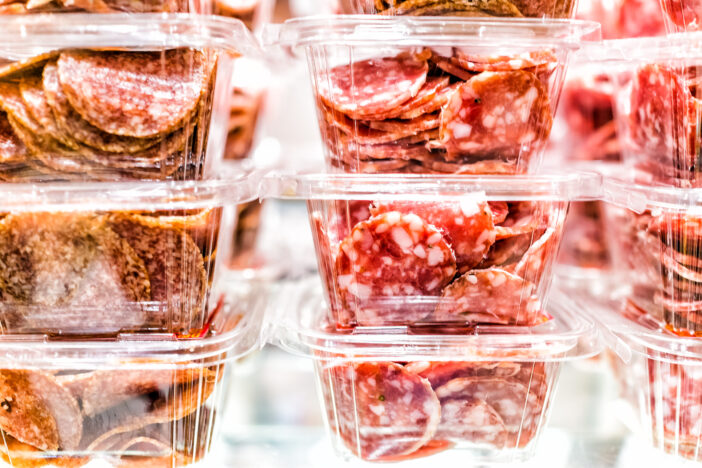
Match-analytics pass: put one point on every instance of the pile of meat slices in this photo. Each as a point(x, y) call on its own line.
point(430, 113)
point(82, 115)
point(20, 7)
point(466, 261)
point(119, 272)
point(497, 8)
point(67, 416)
point(388, 411)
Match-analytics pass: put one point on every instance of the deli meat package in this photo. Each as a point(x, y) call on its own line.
point(118, 403)
point(422, 95)
point(411, 251)
point(134, 257)
point(115, 97)
point(489, 8)
point(23, 7)
point(395, 397)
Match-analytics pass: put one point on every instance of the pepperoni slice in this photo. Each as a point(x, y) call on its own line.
point(489, 296)
point(374, 86)
point(380, 410)
point(497, 113)
point(137, 94)
point(388, 257)
point(466, 224)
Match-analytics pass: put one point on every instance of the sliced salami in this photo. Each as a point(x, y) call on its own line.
point(524, 61)
point(382, 411)
point(391, 256)
point(362, 134)
point(374, 86)
point(136, 94)
point(410, 127)
point(500, 210)
point(423, 102)
point(431, 448)
point(447, 65)
point(489, 296)
point(12, 150)
point(472, 420)
point(497, 113)
point(524, 218)
point(438, 373)
point(533, 264)
point(505, 253)
point(466, 224)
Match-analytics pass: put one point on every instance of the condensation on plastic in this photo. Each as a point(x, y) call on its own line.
point(657, 104)
point(663, 372)
point(192, 59)
point(96, 259)
point(502, 266)
point(122, 402)
point(531, 59)
point(657, 237)
point(393, 396)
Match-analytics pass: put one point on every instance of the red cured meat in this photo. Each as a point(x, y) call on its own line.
point(413, 108)
point(500, 210)
point(326, 257)
point(507, 251)
point(587, 103)
point(391, 256)
point(506, 114)
point(686, 15)
point(361, 133)
point(438, 373)
point(409, 127)
point(449, 66)
point(467, 224)
point(472, 420)
point(489, 296)
point(380, 410)
point(524, 61)
point(374, 86)
point(533, 264)
point(642, 18)
point(431, 448)
point(523, 218)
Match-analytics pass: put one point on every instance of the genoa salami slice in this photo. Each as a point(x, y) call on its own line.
point(36, 410)
point(524, 218)
point(533, 264)
point(524, 61)
point(410, 127)
point(362, 134)
point(145, 94)
point(391, 256)
point(438, 373)
point(497, 113)
point(381, 410)
point(447, 65)
point(433, 105)
point(466, 224)
point(489, 296)
point(472, 420)
point(374, 86)
point(422, 103)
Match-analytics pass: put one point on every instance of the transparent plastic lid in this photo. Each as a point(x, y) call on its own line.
point(571, 186)
point(301, 327)
point(683, 46)
point(350, 30)
point(627, 193)
point(28, 35)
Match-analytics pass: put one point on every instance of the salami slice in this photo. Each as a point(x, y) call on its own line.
point(137, 94)
point(525, 61)
point(381, 410)
point(12, 150)
point(22, 67)
point(437, 163)
point(499, 210)
point(438, 373)
point(391, 256)
point(433, 105)
point(472, 420)
point(391, 132)
point(533, 264)
point(466, 224)
point(374, 86)
point(505, 113)
point(489, 296)
point(523, 219)
point(326, 244)
point(37, 411)
point(351, 152)
point(447, 65)
point(425, 101)
point(505, 253)
point(410, 127)
point(431, 448)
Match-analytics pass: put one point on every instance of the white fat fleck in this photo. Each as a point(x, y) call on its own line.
point(435, 257)
point(415, 222)
point(393, 217)
point(472, 279)
point(361, 291)
point(498, 280)
point(469, 206)
point(458, 221)
point(386, 260)
point(489, 121)
point(408, 290)
point(401, 238)
point(344, 281)
point(461, 130)
point(378, 410)
point(357, 235)
point(387, 291)
point(431, 286)
point(434, 238)
point(419, 251)
point(353, 255)
point(382, 227)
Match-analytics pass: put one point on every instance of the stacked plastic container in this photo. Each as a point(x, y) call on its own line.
point(115, 333)
point(434, 231)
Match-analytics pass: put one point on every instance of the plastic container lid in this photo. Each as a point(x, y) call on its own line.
point(354, 30)
point(300, 329)
point(643, 49)
point(572, 186)
point(28, 35)
point(627, 193)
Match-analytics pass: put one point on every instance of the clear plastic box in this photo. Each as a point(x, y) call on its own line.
point(74, 253)
point(669, 374)
point(657, 104)
point(24, 7)
point(435, 95)
point(656, 237)
point(397, 396)
point(435, 251)
point(116, 96)
point(129, 401)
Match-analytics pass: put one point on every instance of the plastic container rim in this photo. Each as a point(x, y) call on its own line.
point(323, 186)
point(640, 197)
point(23, 36)
point(440, 30)
point(674, 47)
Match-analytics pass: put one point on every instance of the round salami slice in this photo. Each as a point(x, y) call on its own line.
point(497, 113)
point(447, 65)
point(433, 105)
point(409, 127)
point(391, 131)
point(374, 86)
point(22, 67)
point(12, 150)
point(489, 296)
point(424, 102)
point(388, 258)
point(518, 406)
point(525, 61)
point(472, 420)
point(137, 94)
point(438, 373)
point(36, 410)
point(381, 410)
point(466, 224)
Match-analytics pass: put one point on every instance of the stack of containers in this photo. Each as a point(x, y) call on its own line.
point(435, 240)
point(654, 215)
point(115, 337)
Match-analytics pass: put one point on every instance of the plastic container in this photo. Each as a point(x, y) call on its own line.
point(667, 392)
point(253, 13)
point(73, 108)
point(657, 104)
point(24, 7)
point(681, 15)
point(450, 113)
point(74, 253)
point(123, 402)
point(396, 396)
point(656, 233)
point(435, 251)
